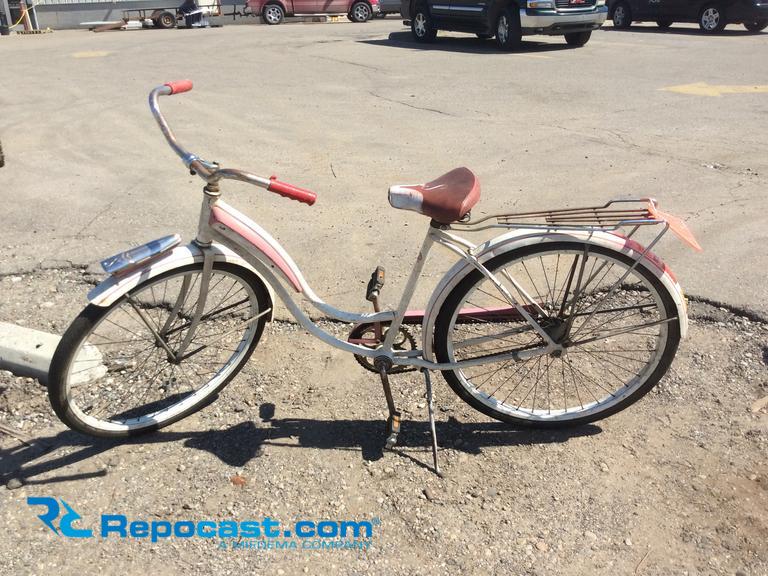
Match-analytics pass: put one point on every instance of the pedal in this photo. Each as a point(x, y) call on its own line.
point(393, 429)
point(375, 284)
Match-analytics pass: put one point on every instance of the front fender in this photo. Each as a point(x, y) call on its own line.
point(519, 238)
point(111, 289)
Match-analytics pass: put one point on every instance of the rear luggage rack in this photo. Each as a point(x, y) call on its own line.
point(615, 214)
point(610, 216)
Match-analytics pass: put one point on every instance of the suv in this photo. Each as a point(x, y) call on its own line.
point(506, 20)
point(712, 16)
point(275, 11)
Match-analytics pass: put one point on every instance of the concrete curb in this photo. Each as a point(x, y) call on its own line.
point(26, 352)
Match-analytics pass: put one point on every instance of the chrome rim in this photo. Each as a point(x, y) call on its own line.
point(710, 18)
point(361, 12)
point(420, 25)
point(273, 14)
point(502, 30)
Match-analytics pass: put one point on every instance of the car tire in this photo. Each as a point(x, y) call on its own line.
point(663, 23)
point(165, 20)
point(484, 35)
point(509, 35)
point(422, 27)
point(361, 12)
point(578, 39)
point(624, 13)
point(756, 26)
point(273, 14)
point(712, 19)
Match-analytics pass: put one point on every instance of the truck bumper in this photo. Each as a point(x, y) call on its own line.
point(553, 22)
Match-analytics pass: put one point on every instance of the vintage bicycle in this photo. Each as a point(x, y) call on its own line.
point(562, 319)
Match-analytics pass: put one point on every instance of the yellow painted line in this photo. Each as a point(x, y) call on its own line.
point(704, 89)
point(91, 54)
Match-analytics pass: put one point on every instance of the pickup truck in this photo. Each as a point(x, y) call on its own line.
point(505, 20)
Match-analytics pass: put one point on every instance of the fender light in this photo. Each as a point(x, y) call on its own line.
point(541, 4)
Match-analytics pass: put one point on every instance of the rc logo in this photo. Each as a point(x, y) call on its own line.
point(52, 513)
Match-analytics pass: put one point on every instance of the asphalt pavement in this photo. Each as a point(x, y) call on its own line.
point(347, 110)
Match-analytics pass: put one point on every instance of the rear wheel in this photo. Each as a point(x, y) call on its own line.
point(361, 12)
point(422, 27)
point(712, 19)
point(578, 38)
point(618, 326)
point(622, 15)
point(273, 14)
point(509, 35)
point(165, 20)
point(756, 26)
point(664, 23)
point(112, 374)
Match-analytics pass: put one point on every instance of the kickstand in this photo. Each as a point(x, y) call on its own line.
point(393, 422)
point(431, 410)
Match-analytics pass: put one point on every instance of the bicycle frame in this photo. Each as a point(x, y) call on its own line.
point(221, 223)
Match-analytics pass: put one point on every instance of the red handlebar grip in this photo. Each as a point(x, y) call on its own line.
point(179, 86)
point(292, 192)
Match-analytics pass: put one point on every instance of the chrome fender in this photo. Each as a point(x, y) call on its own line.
point(519, 238)
point(111, 289)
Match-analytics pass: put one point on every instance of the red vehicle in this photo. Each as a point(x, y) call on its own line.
point(275, 11)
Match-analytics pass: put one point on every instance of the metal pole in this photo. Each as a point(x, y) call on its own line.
point(6, 12)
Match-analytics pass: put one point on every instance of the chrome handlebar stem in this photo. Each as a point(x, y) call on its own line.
point(208, 171)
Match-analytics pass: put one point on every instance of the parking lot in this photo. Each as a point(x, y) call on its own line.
point(677, 485)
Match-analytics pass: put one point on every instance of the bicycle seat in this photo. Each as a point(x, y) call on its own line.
point(446, 199)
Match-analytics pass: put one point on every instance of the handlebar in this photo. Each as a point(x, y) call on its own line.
point(210, 171)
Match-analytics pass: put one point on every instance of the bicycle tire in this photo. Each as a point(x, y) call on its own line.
point(61, 384)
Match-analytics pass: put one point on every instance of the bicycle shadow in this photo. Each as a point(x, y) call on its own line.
point(465, 44)
point(241, 443)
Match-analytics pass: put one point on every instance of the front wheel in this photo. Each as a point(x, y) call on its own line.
point(756, 26)
point(578, 39)
point(617, 324)
point(273, 14)
point(134, 366)
point(165, 20)
point(509, 35)
point(712, 19)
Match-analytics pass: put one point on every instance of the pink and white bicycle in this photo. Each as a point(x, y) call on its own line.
point(559, 320)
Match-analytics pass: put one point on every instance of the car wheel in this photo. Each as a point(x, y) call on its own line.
point(273, 14)
point(361, 12)
point(663, 23)
point(756, 26)
point(622, 15)
point(165, 20)
point(422, 27)
point(484, 35)
point(578, 38)
point(509, 35)
point(712, 19)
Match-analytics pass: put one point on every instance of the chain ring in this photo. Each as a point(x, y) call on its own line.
point(406, 339)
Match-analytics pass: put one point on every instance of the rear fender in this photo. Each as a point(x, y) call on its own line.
point(114, 287)
point(519, 238)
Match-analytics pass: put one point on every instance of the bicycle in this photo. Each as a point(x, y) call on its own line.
point(560, 320)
